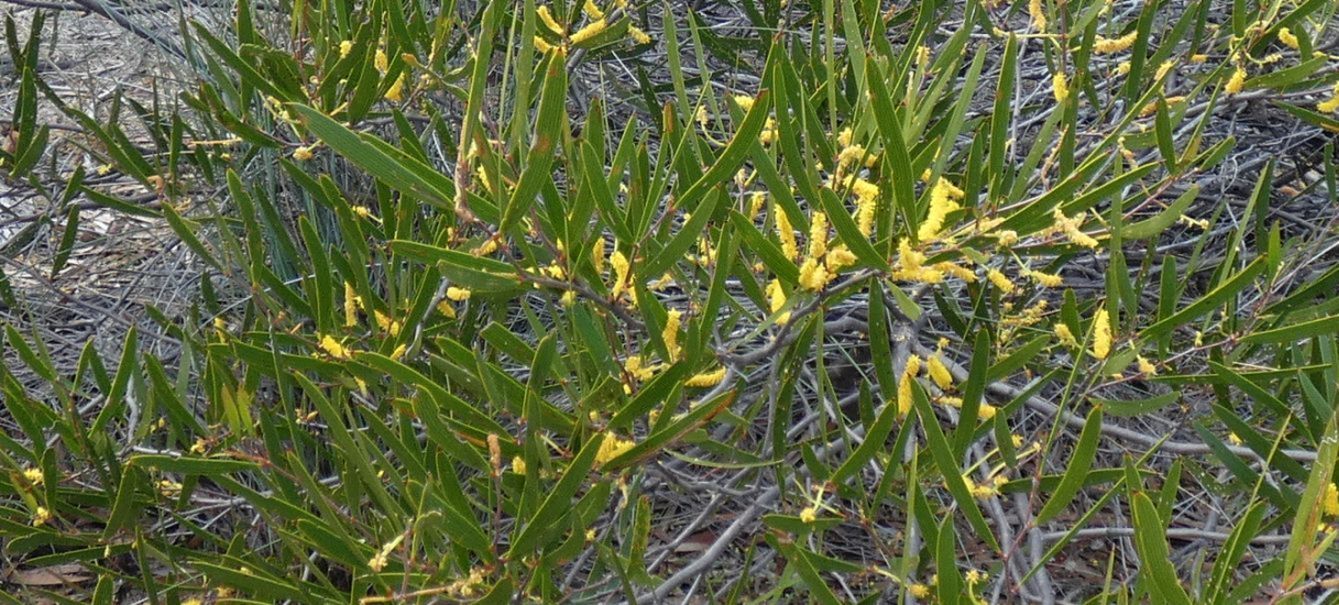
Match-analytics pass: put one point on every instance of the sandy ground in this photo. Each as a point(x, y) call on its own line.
point(119, 264)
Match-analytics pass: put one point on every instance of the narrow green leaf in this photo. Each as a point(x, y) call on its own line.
point(1080, 462)
point(1154, 555)
point(559, 499)
point(952, 474)
point(1208, 302)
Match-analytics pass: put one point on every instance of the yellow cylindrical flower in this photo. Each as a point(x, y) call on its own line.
point(1038, 14)
point(776, 298)
point(706, 379)
point(1107, 46)
point(1288, 38)
point(1237, 82)
point(620, 265)
point(591, 30)
point(671, 333)
point(941, 204)
point(1001, 281)
point(904, 394)
point(1102, 334)
point(939, 373)
point(867, 199)
point(350, 306)
point(813, 276)
point(1060, 87)
point(787, 233)
point(547, 19)
point(818, 235)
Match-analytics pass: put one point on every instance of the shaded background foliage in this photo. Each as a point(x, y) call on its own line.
point(507, 301)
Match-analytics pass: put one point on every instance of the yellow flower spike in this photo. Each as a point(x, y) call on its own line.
point(1233, 439)
point(757, 200)
point(813, 276)
point(939, 373)
point(1328, 106)
point(42, 516)
point(303, 154)
point(1123, 68)
point(1070, 227)
point(549, 22)
point(350, 306)
point(620, 265)
point(612, 447)
point(907, 257)
point(382, 61)
point(706, 379)
point(597, 254)
point(1331, 500)
point(1001, 281)
point(399, 352)
point(1102, 334)
point(844, 137)
point(920, 591)
point(776, 298)
point(637, 35)
point(518, 465)
point(769, 132)
point(591, 30)
point(986, 411)
point(636, 367)
point(744, 102)
point(980, 492)
point(954, 270)
point(1066, 337)
point(665, 281)
point(904, 394)
point(867, 199)
point(1199, 58)
point(1038, 14)
point(941, 204)
point(1047, 280)
point(818, 235)
point(1109, 46)
point(809, 514)
point(458, 294)
point(837, 259)
point(1237, 82)
point(1146, 367)
point(345, 47)
point(850, 155)
point(592, 10)
point(671, 333)
point(1162, 71)
point(1288, 38)
point(334, 348)
point(542, 45)
point(395, 93)
point(386, 322)
point(787, 234)
point(34, 476)
point(1059, 87)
